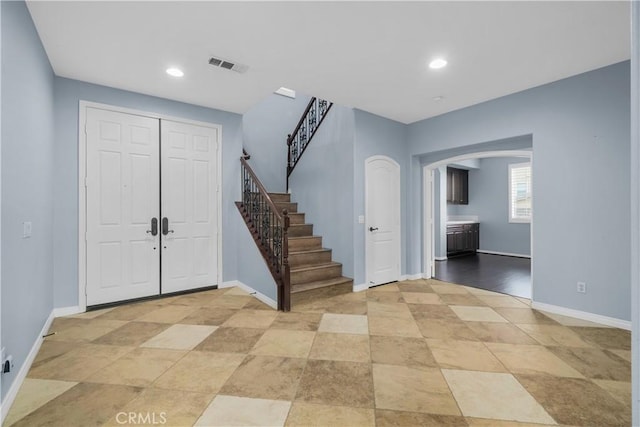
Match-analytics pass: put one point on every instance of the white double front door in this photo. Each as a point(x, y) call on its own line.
point(151, 206)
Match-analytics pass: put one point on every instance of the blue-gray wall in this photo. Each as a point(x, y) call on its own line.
point(27, 190)
point(580, 129)
point(489, 201)
point(322, 184)
point(375, 135)
point(264, 132)
point(68, 93)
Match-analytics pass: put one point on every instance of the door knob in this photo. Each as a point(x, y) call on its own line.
point(154, 227)
point(165, 226)
point(373, 229)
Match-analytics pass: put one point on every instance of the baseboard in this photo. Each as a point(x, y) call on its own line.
point(441, 258)
point(262, 297)
point(482, 251)
point(361, 287)
point(583, 315)
point(24, 369)
point(67, 311)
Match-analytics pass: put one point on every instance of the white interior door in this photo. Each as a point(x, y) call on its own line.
point(189, 206)
point(382, 205)
point(122, 198)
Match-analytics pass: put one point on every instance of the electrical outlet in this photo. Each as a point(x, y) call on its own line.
point(26, 229)
point(582, 287)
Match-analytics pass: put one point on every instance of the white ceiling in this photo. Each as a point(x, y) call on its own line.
point(368, 55)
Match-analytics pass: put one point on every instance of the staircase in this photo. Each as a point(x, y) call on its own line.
point(313, 273)
point(302, 269)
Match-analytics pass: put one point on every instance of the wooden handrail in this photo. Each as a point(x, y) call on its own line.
point(263, 190)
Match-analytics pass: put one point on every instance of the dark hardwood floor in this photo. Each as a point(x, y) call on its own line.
point(504, 274)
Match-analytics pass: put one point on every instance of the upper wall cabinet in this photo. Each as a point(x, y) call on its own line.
point(457, 186)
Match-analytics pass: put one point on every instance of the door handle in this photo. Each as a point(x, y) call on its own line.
point(373, 229)
point(154, 227)
point(165, 226)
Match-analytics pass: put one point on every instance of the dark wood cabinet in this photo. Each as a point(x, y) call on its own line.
point(463, 238)
point(457, 186)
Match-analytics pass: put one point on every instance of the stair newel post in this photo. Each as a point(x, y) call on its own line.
point(286, 277)
point(288, 159)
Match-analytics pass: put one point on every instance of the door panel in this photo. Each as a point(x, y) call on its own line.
point(189, 202)
point(122, 198)
point(382, 220)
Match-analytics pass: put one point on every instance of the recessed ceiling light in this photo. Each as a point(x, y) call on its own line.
point(437, 63)
point(438, 98)
point(175, 72)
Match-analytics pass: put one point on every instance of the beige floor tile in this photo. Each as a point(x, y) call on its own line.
point(421, 298)
point(390, 287)
point(209, 316)
point(196, 299)
point(573, 321)
point(526, 301)
point(620, 390)
point(576, 401)
point(387, 309)
point(346, 347)
point(412, 389)
point(431, 311)
point(231, 301)
point(443, 329)
point(484, 395)
point(243, 411)
point(50, 350)
point(167, 314)
point(415, 286)
point(524, 315)
point(231, 340)
point(297, 321)
point(503, 301)
point(393, 326)
point(344, 324)
point(479, 291)
point(164, 408)
point(180, 337)
point(33, 394)
point(384, 296)
point(624, 354)
point(83, 330)
point(332, 382)
point(605, 338)
point(92, 314)
point(449, 289)
point(82, 405)
point(278, 378)
point(401, 351)
point(532, 359)
point(236, 291)
point(259, 319)
point(311, 414)
point(595, 363)
point(79, 363)
point(131, 311)
point(200, 371)
point(256, 304)
point(279, 342)
point(477, 314)
point(500, 332)
point(138, 368)
point(553, 335)
point(482, 422)
point(468, 355)
point(386, 418)
point(132, 334)
point(462, 299)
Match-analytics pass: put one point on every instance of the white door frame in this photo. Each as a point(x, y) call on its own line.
point(82, 174)
point(428, 244)
point(366, 215)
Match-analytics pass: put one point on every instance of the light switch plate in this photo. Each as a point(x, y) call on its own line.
point(26, 229)
point(361, 219)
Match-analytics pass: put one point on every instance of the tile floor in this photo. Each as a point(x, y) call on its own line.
point(406, 354)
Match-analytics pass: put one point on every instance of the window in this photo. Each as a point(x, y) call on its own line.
point(520, 192)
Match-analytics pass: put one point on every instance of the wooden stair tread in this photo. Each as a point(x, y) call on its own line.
point(309, 251)
point(315, 267)
point(320, 284)
point(303, 237)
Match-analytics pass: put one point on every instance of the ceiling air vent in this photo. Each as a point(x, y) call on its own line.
point(228, 65)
